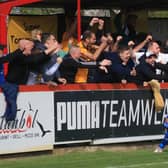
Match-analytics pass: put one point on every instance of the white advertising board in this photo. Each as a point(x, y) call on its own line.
point(33, 128)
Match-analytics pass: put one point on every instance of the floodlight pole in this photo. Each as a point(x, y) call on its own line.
point(79, 19)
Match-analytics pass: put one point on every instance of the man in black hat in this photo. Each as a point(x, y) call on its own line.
point(146, 75)
point(146, 69)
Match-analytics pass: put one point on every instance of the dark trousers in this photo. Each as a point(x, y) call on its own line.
point(10, 92)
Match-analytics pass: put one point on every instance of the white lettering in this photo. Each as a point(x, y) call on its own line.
point(95, 120)
point(134, 115)
point(123, 114)
point(71, 115)
point(105, 103)
point(83, 110)
point(165, 110)
point(156, 122)
point(113, 113)
point(61, 115)
point(147, 112)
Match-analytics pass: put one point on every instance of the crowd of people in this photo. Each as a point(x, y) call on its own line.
point(100, 57)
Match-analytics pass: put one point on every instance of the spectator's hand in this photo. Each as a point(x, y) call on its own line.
point(109, 39)
point(101, 24)
point(145, 84)
point(131, 43)
point(94, 21)
point(51, 48)
point(103, 68)
point(59, 60)
point(124, 81)
point(62, 80)
point(51, 84)
point(105, 62)
point(119, 38)
point(148, 38)
point(133, 72)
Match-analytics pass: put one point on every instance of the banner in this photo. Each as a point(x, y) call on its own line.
point(32, 130)
point(84, 115)
point(20, 27)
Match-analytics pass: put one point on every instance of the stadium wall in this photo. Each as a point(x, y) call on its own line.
point(73, 113)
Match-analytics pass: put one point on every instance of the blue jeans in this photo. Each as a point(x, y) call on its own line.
point(10, 92)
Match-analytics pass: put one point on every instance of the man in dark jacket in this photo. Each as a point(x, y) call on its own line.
point(122, 68)
point(71, 63)
point(18, 72)
point(146, 75)
point(146, 69)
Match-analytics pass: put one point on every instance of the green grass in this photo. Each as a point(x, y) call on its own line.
point(98, 159)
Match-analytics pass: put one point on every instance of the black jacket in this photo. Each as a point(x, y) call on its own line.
point(19, 65)
point(118, 70)
point(69, 67)
point(147, 72)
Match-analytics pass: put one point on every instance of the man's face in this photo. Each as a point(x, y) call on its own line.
point(77, 53)
point(28, 47)
point(92, 39)
point(155, 48)
point(51, 40)
point(125, 55)
point(151, 60)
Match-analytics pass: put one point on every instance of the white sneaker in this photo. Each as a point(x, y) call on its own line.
point(158, 150)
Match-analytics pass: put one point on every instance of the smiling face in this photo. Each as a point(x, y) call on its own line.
point(125, 55)
point(151, 60)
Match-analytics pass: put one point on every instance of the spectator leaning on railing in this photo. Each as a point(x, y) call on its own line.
point(146, 75)
point(89, 52)
point(71, 63)
point(18, 72)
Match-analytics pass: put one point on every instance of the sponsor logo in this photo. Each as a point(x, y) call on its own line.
point(83, 115)
point(27, 120)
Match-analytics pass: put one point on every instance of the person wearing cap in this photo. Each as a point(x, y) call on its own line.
point(72, 62)
point(146, 75)
point(164, 141)
point(154, 48)
point(146, 69)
